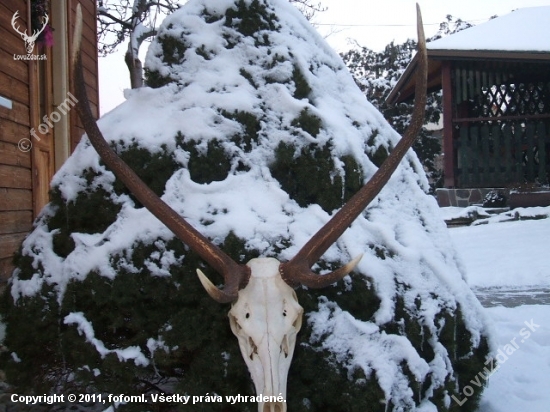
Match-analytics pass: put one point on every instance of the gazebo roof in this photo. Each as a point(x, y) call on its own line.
point(522, 35)
point(523, 30)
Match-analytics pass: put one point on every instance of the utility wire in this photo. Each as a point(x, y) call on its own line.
point(390, 25)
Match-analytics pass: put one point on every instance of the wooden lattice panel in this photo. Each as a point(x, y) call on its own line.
point(522, 99)
point(500, 153)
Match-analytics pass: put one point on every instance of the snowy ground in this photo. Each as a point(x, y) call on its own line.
point(508, 266)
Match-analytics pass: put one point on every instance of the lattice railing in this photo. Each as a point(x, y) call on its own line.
point(522, 99)
point(500, 153)
point(502, 123)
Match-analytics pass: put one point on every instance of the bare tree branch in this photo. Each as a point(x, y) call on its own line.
point(134, 21)
point(308, 8)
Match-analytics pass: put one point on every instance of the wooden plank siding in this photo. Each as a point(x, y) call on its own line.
point(17, 84)
point(15, 165)
point(15, 199)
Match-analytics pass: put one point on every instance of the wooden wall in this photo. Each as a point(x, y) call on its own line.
point(15, 166)
point(16, 84)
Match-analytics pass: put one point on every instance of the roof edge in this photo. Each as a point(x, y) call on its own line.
point(406, 81)
point(395, 94)
point(452, 54)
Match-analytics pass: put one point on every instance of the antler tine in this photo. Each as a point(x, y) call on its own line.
point(235, 275)
point(298, 269)
point(13, 20)
point(45, 21)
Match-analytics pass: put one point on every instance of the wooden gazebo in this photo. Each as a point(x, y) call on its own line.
point(495, 79)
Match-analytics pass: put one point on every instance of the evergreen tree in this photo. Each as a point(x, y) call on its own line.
point(450, 26)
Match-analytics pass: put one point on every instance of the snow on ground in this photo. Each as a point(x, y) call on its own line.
point(511, 258)
point(522, 381)
point(507, 254)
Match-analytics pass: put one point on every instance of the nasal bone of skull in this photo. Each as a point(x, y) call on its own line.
point(271, 372)
point(272, 407)
point(275, 371)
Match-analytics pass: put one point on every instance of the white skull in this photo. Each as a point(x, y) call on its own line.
point(266, 318)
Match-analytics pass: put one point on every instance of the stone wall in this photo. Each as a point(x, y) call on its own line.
point(475, 196)
point(464, 197)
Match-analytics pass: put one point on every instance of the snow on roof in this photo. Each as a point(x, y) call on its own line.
point(525, 29)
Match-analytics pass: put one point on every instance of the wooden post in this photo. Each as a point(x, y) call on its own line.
point(448, 146)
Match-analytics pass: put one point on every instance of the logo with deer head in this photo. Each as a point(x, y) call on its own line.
point(29, 40)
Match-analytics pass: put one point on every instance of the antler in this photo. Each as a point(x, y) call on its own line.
point(16, 28)
point(298, 269)
point(36, 33)
point(235, 275)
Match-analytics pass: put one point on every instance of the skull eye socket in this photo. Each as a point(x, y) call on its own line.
point(297, 324)
point(234, 324)
point(284, 346)
point(253, 349)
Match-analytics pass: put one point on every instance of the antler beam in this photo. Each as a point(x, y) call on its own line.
point(297, 270)
point(16, 27)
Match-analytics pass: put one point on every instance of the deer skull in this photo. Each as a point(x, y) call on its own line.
point(265, 315)
point(266, 319)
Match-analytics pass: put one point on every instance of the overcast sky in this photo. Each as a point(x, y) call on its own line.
point(372, 24)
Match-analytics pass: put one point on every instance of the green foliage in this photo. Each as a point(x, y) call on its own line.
point(375, 74)
point(248, 77)
point(155, 80)
point(316, 382)
point(154, 169)
point(377, 153)
point(90, 212)
point(451, 25)
point(309, 176)
point(308, 122)
point(173, 51)
point(303, 89)
point(249, 20)
point(495, 198)
point(198, 350)
point(207, 166)
point(251, 127)
point(33, 328)
point(454, 336)
point(322, 386)
point(201, 51)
